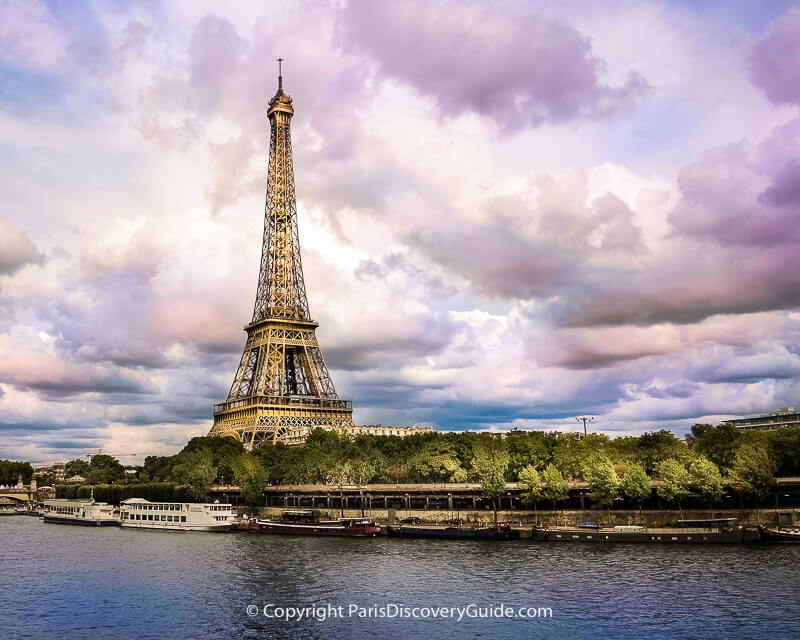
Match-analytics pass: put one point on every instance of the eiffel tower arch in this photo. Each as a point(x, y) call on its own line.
point(282, 388)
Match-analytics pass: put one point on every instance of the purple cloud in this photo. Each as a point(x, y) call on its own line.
point(785, 189)
point(775, 59)
point(520, 69)
point(722, 200)
point(215, 54)
point(16, 249)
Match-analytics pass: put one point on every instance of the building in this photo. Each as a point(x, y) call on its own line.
point(57, 469)
point(298, 435)
point(785, 417)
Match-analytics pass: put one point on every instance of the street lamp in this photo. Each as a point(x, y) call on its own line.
point(584, 419)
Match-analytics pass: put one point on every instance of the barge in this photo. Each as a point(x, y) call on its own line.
point(445, 532)
point(312, 522)
point(714, 532)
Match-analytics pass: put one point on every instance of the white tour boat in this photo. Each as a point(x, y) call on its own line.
point(138, 513)
point(84, 512)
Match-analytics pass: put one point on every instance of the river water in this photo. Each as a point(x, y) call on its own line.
point(65, 582)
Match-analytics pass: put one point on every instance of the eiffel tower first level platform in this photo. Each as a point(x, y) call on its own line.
point(282, 388)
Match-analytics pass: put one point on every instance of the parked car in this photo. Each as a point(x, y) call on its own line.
point(411, 520)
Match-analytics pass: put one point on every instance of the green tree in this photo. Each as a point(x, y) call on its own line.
point(224, 451)
point(657, 446)
point(624, 450)
point(159, 468)
point(707, 480)
point(784, 449)
point(362, 468)
point(569, 455)
point(752, 472)
point(603, 481)
point(436, 462)
point(490, 465)
point(198, 472)
point(460, 475)
point(532, 487)
point(11, 470)
point(555, 487)
point(76, 467)
point(250, 476)
point(675, 481)
point(396, 472)
point(719, 444)
point(321, 451)
point(104, 469)
point(636, 485)
point(340, 475)
point(528, 449)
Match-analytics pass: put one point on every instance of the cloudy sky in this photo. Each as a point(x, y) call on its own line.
point(511, 213)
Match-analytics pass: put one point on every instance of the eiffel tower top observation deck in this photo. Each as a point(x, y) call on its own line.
point(282, 388)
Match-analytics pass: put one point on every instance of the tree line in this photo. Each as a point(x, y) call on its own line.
point(543, 463)
point(11, 470)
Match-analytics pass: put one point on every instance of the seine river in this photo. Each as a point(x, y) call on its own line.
point(79, 582)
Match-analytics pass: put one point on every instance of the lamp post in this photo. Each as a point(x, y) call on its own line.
point(584, 419)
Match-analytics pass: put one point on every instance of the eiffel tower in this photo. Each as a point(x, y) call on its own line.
point(282, 389)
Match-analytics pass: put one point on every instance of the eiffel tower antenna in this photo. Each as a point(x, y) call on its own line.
point(282, 388)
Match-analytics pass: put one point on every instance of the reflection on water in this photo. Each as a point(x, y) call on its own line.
point(76, 582)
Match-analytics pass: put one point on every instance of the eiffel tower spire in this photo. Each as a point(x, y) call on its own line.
point(282, 388)
point(281, 290)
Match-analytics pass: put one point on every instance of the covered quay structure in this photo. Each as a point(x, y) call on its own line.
point(465, 497)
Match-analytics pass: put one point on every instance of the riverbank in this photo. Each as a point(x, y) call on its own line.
point(557, 518)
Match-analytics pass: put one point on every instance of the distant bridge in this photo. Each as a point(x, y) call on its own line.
point(22, 495)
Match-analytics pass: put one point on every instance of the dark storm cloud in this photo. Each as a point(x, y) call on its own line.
point(583, 358)
point(681, 389)
point(412, 339)
point(55, 378)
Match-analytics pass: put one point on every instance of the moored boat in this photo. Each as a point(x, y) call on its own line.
point(8, 507)
point(790, 534)
point(138, 513)
point(445, 532)
point(737, 535)
point(80, 512)
point(313, 522)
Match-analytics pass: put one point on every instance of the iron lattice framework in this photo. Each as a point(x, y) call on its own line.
point(282, 388)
